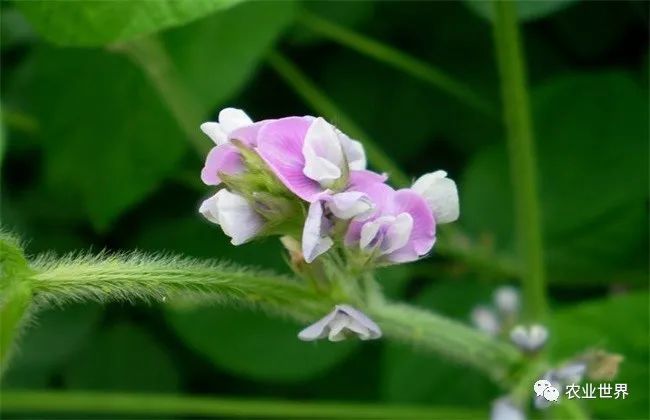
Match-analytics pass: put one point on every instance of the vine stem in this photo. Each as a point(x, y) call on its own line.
point(397, 59)
point(521, 148)
point(71, 403)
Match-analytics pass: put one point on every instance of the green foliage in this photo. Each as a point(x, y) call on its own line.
point(89, 23)
point(123, 357)
point(526, 9)
point(238, 343)
point(593, 201)
point(618, 325)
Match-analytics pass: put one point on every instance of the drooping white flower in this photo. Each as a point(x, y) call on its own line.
point(440, 194)
point(230, 119)
point(506, 299)
point(234, 214)
point(529, 339)
point(486, 320)
point(342, 322)
point(504, 409)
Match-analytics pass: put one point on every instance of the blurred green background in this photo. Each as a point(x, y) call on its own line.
point(95, 157)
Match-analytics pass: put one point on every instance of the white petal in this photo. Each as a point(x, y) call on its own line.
point(317, 330)
point(338, 326)
point(347, 205)
point(360, 319)
point(398, 233)
point(323, 153)
point(369, 231)
point(538, 335)
point(314, 241)
point(354, 152)
point(232, 119)
point(237, 218)
point(215, 132)
point(209, 209)
point(440, 194)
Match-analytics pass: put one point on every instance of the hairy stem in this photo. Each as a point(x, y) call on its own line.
point(522, 155)
point(161, 405)
point(323, 105)
point(459, 342)
point(397, 59)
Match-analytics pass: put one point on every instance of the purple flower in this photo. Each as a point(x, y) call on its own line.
point(225, 157)
point(309, 155)
point(401, 229)
point(343, 321)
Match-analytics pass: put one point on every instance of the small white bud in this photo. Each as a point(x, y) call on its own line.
point(234, 214)
point(529, 339)
point(486, 320)
point(441, 195)
point(342, 322)
point(506, 299)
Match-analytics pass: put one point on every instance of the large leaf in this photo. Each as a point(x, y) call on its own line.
point(109, 138)
point(123, 357)
point(88, 23)
point(415, 376)
point(62, 331)
point(526, 9)
point(619, 325)
point(254, 345)
point(592, 155)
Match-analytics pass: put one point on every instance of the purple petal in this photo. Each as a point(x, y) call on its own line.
point(248, 134)
point(224, 158)
point(280, 143)
point(359, 179)
point(424, 228)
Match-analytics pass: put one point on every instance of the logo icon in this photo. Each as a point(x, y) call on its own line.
point(544, 388)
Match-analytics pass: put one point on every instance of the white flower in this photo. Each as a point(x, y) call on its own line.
point(440, 194)
point(529, 339)
point(234, 214)
point(342, 322)
point(506, 299)
point(329, 154)
point(504, 409)
point(230, 119)
point(486, 320)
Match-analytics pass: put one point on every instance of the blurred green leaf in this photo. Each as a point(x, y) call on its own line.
point(526, 9)
point(413, 376)
point(254, 345)
point(123, 357)
point(62, 331)
point(110, 140)
point(592, 153)
point(89, 23)
point(618, 325)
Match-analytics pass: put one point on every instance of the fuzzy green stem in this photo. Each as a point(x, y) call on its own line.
point(324, 106)
point(461, 343)
point(397, 59)
point(160, 405)
point(522, 156)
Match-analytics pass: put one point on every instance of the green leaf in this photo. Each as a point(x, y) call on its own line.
point(89, 23)
point(526, 9)
point(111, 140)
point(591, 145)
point(125, 358)
point(412, 376)
point(62, 331)
point(618, 324)
point(253, 345)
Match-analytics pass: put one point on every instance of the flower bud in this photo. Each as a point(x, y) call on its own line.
point(441, 195)
point(234, 214)
point(529, 339)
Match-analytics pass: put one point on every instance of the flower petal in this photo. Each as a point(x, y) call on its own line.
point(236, 217)
point(232, 119)
point(323, 153)
point(224, 158)
point(398, 233)
point(347, 205)
point(215, 132)
point(354, 152)
point(440, 194)
point(314, 240)
point(279, 143)
point(424, 229)
point(209, 210)
point(317, 330)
